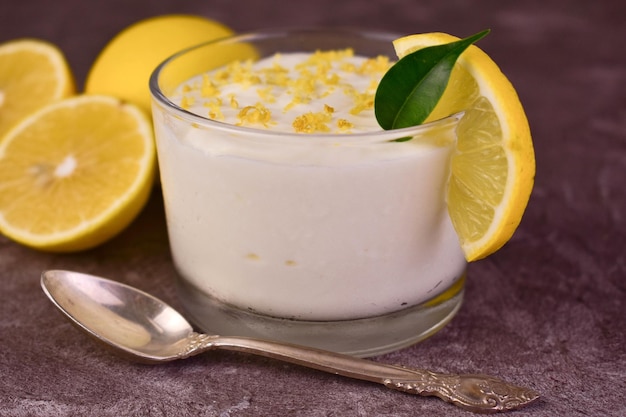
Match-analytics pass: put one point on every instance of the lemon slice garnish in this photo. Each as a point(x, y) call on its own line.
point(493, 168)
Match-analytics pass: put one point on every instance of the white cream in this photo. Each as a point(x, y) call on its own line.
point(308, 227)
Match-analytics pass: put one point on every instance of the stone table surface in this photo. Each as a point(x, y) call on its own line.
point(546, 311)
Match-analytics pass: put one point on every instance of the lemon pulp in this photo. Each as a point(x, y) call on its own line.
point(75, 173)
point(33, 73)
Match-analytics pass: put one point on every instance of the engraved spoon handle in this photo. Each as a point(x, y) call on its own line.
point(477, 393)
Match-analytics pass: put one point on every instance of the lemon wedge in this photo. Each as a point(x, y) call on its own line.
point(493, 168)
point(75, 173)
point(33, 73)
point(123, 67)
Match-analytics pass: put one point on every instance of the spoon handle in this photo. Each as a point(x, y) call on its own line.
point(477, 393)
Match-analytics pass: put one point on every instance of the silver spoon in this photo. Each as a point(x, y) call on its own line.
point(145, 329)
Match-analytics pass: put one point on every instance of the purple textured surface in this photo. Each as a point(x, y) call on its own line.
point(546, 311)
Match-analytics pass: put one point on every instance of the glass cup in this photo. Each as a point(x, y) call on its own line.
point(336, 241)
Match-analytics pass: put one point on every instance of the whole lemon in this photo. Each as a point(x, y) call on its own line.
point(124, 66)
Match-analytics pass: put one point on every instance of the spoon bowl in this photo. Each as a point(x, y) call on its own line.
point(143, 328)
point(122, 317)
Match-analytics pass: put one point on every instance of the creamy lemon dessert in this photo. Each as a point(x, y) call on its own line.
point(292, 202)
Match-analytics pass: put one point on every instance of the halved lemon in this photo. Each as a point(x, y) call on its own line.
point(493, 168)
point(75, 173)
point(33, 73)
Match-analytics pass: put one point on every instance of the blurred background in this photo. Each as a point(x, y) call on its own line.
point(82, 28)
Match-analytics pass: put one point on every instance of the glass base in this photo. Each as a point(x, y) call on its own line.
point(360, 337)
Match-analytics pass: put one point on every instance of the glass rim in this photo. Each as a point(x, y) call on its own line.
point(160, 98)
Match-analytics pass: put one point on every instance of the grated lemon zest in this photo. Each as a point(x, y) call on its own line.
point(344, 124)
point(312, 122)
point(254, 115)
point(266, 95)
point(315, 78)
point(187, 101)
point(208, 89)
point(234, 104)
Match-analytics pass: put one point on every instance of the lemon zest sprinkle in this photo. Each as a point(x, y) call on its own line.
point(242, 73)
point(374, 66)
point(234, 104)
point(266, 94)
point(253, 115)
point(312, 122)
point(344, 124)
point(315, 78)
point(208, 89)
point(362, 101)
point(187, 101)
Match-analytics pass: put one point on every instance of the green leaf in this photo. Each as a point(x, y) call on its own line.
point(412, 87)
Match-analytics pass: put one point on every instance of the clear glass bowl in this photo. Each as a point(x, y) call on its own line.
point(337, 241)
